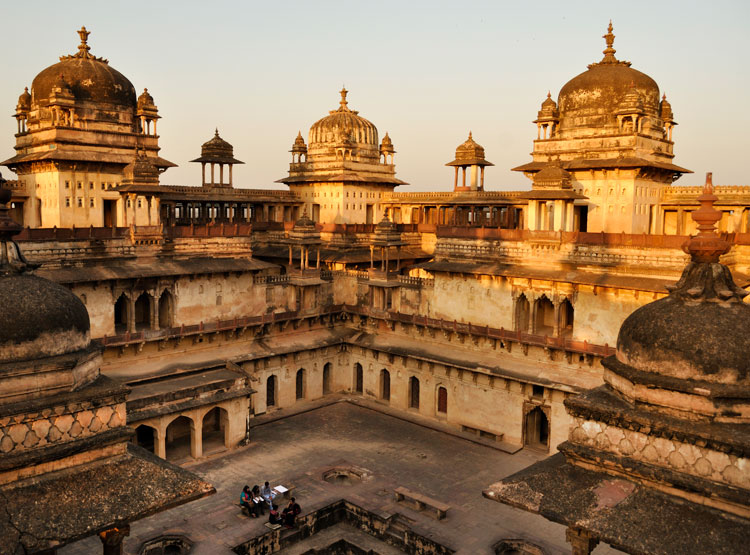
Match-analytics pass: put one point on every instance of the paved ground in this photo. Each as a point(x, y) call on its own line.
point(300, 448)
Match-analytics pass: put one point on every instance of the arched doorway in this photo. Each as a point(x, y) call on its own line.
point(177, 442)
point(442, 400)
point(566, 318)
point(166, 310)
point(536, 429)
point(385, 385)
point(523, 308)
point(545, 317)
point(327, 378)
point(271, 391)
point(413, 392)
point(358, 378)
point(142, 309)
point(214, 430)
point(121, 314)
point(300, 384)
point(145, 437)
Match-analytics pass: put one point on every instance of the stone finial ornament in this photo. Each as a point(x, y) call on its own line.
point(84, 50)
point(707, 245)
point(609, 52)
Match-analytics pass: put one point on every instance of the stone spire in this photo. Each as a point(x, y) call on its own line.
point(84, 48)
point(609, 52)
point(344, 103)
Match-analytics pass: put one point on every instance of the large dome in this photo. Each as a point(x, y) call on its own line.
point(88, 77)
point(592, 99)
point(344, 126)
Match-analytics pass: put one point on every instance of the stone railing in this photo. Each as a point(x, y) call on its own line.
point(446, 197)
point(264, 279)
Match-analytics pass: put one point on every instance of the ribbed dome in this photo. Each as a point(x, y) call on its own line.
point(591, 99)
point(89, 78)
point(24, 101)
point(343, 126)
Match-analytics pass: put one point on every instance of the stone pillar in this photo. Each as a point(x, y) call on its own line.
point(196, 437)
point(680, 224)
point(221, 174)
point(474, 177)
point(531, 215)
point(212, 173)
point(556, 330)
point(160, 441)
point(112, 539)
point(570, 216)
point(154, 305)
point(581, 541)
point(131, 314)
point(455, 179)
point(230, 175)
point(203, 173)
point(557, 224)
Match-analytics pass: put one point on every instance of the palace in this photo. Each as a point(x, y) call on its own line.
point(207, 306)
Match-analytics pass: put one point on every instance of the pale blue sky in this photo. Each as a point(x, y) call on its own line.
point(426, 72)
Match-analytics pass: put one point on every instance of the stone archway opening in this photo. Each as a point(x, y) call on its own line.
point(537, 429)
point(122, 307)
point(359, 378)
point(385, 385)
point(442, 400)
point(145, 436)
point(523, 309)
point(299, 384)
point(566, 318)
point(271, 391)
point(544, 323)
point(327, 378)
point(166, 310)
point(214, 429)
point(177, 442)
point(413, 392)
point(142, 312)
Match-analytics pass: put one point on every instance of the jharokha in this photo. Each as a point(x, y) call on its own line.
point(594, 323)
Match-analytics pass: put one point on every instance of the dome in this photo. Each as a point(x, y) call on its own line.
point(40, 318)
point(699, 331)
point(386, 145)
point(89, 78)
point(24, 101)
point(299, 144)
point(344, 126)
point(591, 99)
point(217, 150)
point(665, 109)
point(145, 100)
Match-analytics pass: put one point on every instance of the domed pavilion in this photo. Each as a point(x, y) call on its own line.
point(75, 106)
point(612, 131)
point(658, 458)
point(343, 171)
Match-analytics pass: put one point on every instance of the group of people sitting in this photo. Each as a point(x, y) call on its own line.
point(256, 500)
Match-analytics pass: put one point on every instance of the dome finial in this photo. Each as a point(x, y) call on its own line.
point(470, 136)
point(343, 98)
point(84, 48)
point(609, 52)
point(216, 132)
point(707, 245)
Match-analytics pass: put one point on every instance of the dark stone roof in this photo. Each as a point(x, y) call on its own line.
point(692, 334)
point(594, 163)
point(60, 508)
point(89, 79)
point(32, 306)
point(622, 513)
point(126, 269)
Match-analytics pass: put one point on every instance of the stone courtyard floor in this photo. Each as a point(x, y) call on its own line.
point(299, 448)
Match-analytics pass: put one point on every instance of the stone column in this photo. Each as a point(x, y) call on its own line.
point(160, 441)
point(581, 541)
point(196, 437)
point(557, 224)
point(230, 175)
point(221, 174)
point(570, 216)
point(131, 314)
point(154, 305)
point(112, 539)
point(556, 330)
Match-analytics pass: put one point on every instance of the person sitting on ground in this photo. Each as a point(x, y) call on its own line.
point(274, 517)
point(268, 494)
point(291, 512)
point(246, 501)
point(257, 500)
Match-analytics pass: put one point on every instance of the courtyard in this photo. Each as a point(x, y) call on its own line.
point(388, 452)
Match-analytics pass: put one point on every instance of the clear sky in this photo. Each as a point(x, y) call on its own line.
point(425, 71)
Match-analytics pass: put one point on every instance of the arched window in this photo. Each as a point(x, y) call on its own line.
point(537, 429)
point(358, 378)
point(544, 323)
point(566, 318)
point(300, 384)
point(385, 385)
point(442, 400)
point(142, 312)
point(214, 430)
point(178, 438)
point(122, 306)
point(413, 392)
point(522, 313)
point(271, 391)
point(327, 378)
point(166, 310)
